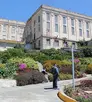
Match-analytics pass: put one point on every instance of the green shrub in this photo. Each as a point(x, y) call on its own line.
point(9, 71)
point(28, 61)
point(89, 69)
point(5, 55)
point(65, 76)
point(50, 77)
point(49, 64)
point(85, 60)
point(87, 52)
point(38, 56)
point(56, 54)
point(64, 66)
point(68, 90)
point(82, 99)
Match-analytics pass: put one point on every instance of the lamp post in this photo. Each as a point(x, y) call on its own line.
point(72, 50)
point(73, 82)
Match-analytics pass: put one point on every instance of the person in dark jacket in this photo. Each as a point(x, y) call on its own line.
point(55, 72)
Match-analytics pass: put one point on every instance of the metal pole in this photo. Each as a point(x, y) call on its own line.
point(73, 83)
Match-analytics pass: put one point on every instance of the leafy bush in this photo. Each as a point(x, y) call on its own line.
point(68, 91)
point(84, 62)
point(9, 71)
point(32, 77)
point(9, 53)
point(83, 99)
point(28, 61)
point(65, 76)
point(56, 54)
point(87, 52)
point(78, 74)
point(89, 69)
point(50, 77)
point(49, 64)
point(37, 56)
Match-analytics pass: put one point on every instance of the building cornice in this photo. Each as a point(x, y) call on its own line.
point(11, 41)
point(5, 21)
point(65, 12)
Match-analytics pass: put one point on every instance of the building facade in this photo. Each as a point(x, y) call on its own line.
point(11, 33)
point(51, 27)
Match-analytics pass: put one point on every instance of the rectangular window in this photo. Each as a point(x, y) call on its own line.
point(34, 30)
point(48, 42)
point(48, 17)
point(39, 27)
point(4, 28)
point(80, 32)
point(34, 22)
point(38, 18)
point(0, 28)
point(13, 29)
point(87, 25)
point(87, 33)
point(21, 29)
point(64, 29)
point(56, 27)
point(80, 24)
point(64, 20)
point(48, 25)
point(72, 22)
point(39, 43)
point(34, 36)
point(13, 37)
point(73, 44)
point(4, 35)
point(56, 43)
point(72, 30)
point(56, 19)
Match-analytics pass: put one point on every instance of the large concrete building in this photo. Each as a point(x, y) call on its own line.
point(11, 33)
point(51, 27)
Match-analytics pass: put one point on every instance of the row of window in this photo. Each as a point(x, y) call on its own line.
point(56, 43)
point(65, 25)
point(12, 37)
point(13, 29)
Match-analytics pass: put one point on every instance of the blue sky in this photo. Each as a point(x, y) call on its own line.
point(21, 10)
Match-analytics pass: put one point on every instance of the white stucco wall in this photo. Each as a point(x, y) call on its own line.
point(42, 12)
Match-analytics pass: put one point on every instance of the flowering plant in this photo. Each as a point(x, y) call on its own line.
point(76, 60)
point(22, 66)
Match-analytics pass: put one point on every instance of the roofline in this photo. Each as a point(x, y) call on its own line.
point(12, 20)
point(35, 13)
point(66, 11)
point(60, 11)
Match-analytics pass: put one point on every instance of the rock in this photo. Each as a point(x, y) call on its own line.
point(7, 83)
point(40, 66)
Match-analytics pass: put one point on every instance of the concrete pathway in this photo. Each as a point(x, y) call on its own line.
point(33, 93)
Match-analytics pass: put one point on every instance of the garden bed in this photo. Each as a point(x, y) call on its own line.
point(82, 92)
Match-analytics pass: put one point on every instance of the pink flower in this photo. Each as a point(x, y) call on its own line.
point(76, 60)
point(22, 66)
point(86, 96)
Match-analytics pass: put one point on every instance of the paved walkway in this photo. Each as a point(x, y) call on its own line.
point(33, 93)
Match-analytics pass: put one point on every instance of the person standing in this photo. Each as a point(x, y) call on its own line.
point(45, 74)
point(55, 72)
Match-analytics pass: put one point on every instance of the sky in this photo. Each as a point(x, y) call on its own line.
point(21, 10)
